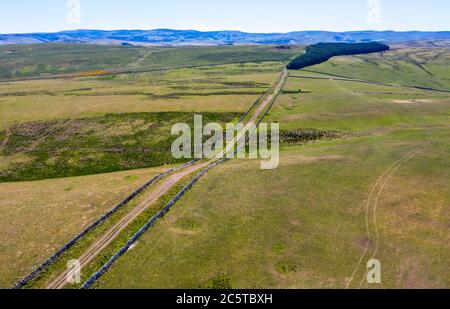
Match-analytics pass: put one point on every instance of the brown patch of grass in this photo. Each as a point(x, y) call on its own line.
point(409, 275)
point(365, 242)
point(297, 158)
point(39, 217)
point(91, 73)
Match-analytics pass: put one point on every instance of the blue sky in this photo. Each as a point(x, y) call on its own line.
point(17, 16)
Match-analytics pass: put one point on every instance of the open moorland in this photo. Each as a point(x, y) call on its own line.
point(363, 174)
point(381, 191)
point(47, 60)
point(96, 124)
point(64, 137)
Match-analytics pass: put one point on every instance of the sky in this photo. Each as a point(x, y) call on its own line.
point(25, 16)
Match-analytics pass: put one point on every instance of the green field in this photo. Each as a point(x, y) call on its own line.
point(25, 61)
point(303, 225)
point(358, 107)
point(223, 88)
point(64, 127)
point(89, 125)
point(89, 146)
point(426, 67)
point(38, 217)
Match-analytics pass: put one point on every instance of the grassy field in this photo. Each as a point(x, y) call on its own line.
point(427, 67)
point(86, 125)
point(89, 146)
point(342, 105)
point(303, 225)
point(38, 217)
point(227, 88)
point(24, 61)
point(89, 125)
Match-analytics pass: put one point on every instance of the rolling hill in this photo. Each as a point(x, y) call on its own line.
point(169, 37)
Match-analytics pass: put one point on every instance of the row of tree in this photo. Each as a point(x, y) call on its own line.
point(322, 52)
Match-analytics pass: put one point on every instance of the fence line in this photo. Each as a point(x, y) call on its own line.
point(284, 77)
point(72, 242)
point(253, 106)
point(23, 282)
point(98, 274)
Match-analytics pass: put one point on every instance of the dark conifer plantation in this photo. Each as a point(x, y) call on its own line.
point(322, 52)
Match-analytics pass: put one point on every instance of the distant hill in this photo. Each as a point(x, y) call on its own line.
point(167, 37)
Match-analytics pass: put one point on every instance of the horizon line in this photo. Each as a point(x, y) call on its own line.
point(225, 30)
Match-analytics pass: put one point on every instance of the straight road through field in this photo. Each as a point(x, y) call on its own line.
point(108, 237)
point(112, 233)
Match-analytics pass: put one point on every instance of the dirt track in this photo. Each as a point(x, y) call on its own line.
point(372, 206)
point(106, 239)
point(112, 233)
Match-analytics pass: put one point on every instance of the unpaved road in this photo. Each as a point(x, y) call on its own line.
point(257, 114)
point(61, 281)
point(372, 205)
point(112, 233)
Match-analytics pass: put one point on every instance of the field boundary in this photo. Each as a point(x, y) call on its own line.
point(372, 82)
point(47, 263)
point(77, 238)
point(99, 273)
point(275, 97)
point(253, 106)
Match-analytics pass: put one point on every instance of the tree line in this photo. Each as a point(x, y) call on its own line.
point(322, 52)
